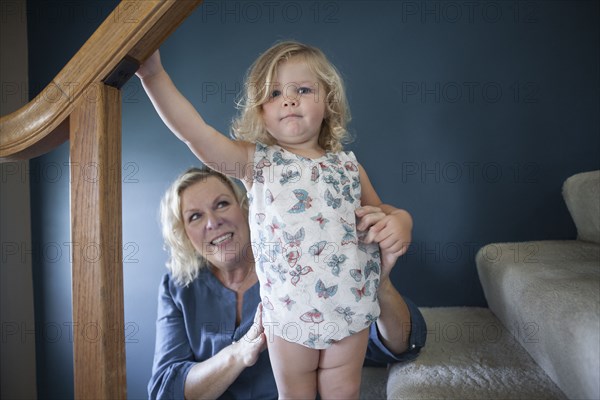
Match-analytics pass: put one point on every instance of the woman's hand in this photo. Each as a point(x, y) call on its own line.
point(249, 347)
point(209, 379)
point(391, 228)
point(150, 67)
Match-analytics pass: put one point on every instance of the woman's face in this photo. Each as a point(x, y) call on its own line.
point(216, 224)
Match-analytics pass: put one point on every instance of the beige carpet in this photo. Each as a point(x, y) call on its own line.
point(470, 355)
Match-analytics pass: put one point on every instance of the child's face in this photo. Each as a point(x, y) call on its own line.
point(295, 112)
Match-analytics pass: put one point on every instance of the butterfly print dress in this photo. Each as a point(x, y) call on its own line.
point(318, 281)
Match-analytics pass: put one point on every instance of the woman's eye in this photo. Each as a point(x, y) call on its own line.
point(194, 217)
point(222, 204)
point(304, 90)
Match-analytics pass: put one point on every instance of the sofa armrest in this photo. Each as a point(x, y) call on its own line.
point(582, 195)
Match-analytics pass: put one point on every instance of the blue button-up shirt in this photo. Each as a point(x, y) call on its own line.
point(197, 321)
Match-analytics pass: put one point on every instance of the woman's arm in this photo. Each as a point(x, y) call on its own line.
point(176, 374)
point(393, 232)
point(211, 378)
point(209, 145)
point(394, 322)
point(391, 228)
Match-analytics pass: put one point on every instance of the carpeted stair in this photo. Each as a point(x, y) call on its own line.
point(540, 336)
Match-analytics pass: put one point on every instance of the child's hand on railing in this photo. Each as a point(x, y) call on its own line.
point(150, 67)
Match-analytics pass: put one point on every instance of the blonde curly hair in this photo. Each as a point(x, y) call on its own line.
point(249, 125)
point(184, 261)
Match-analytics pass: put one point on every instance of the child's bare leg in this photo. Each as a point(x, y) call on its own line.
point(295, 368)
point(340, 367)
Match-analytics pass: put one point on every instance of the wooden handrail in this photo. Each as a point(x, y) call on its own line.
point(83, 105)
point(128, 36)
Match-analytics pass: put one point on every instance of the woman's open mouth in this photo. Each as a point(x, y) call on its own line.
point(223, 238)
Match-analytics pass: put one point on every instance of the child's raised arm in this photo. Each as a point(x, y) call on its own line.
point(209, 145)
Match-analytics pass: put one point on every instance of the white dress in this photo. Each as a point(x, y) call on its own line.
point(318, 281)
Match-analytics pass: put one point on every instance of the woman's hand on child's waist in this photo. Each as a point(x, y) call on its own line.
point(390, 227)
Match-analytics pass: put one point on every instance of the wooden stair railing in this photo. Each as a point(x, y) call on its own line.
point(83, 104)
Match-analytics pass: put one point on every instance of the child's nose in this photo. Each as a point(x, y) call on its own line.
point(290, 102)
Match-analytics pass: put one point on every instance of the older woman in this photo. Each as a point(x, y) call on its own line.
point(209, 333)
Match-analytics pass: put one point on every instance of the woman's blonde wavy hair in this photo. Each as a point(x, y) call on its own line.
point(249, 125)
point(184, 261)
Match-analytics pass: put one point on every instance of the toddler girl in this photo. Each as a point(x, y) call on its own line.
point(318, 277)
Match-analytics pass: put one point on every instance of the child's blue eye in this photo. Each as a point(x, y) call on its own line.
point(304, 90)
point(275, 93)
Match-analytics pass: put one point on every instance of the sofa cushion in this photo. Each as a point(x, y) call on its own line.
point(548, 294)
point(469, 355)
point(582, 195)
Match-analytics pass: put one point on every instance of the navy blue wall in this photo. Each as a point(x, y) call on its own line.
point(469, 115)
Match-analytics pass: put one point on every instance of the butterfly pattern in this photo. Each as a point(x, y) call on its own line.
point(312, 339)
point(331, 201)
point(257, 171)
point(280, 271)
point(347, 195)
point(349, 232)
point(321, 220)
point(359, 293)
point(356, 274)
point(372, 267)
point(287, 301)
point(274, 227)
point(304, 201)
point(346, 312)
point(289, 176)
point(315, 316)
point(317, 248)
point(324, 291)
point(315, 173)
point(314, 270)
point(266, 251)
point(296, 239)
point(269, 199)
point(298, 272)
point(335, 263)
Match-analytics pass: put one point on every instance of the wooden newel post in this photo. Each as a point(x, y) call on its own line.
point(96, 234)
